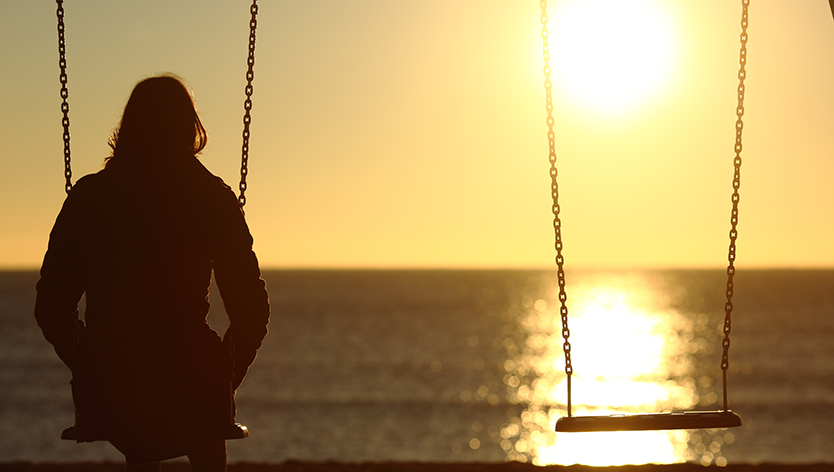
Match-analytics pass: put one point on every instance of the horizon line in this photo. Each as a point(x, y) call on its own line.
point(575, 268)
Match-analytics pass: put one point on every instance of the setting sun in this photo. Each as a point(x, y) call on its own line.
point(611, 55)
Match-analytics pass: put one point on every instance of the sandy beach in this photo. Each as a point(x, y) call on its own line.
point(299, 466)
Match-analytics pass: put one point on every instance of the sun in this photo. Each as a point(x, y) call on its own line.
point(611, 55)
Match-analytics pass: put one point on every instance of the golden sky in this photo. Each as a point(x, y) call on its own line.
point(412, 133)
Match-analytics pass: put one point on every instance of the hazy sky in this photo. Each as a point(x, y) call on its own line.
point(412, 133)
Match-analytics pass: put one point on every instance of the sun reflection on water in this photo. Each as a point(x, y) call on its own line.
point(631, 353)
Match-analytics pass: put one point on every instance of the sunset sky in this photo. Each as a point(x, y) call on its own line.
point(412, 133)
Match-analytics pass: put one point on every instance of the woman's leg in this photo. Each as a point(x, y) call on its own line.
point(150, 467)
point(129, 450)
point(209, 456)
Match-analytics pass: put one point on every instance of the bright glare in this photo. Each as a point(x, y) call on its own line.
point(621, 448)
point(631, 353)
point(613, 339)
point(610, 55)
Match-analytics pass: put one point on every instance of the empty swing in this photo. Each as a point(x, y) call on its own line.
point(234, 430)
point(723, 418)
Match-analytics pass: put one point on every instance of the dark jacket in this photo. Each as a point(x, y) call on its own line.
point(142, 244)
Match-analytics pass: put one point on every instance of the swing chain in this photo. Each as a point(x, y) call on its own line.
point(62, 62)
point(247, 104)
point(554, 187)
point(728, 307)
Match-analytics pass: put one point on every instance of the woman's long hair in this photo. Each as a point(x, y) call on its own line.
point(159, 123)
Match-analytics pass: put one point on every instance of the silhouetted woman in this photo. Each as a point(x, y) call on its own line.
point(141, 238)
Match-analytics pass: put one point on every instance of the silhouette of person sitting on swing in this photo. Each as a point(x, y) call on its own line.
point(141, 238)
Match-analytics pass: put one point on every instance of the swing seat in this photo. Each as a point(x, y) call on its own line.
point(233, 431)
point(74, 433)
point(649, 421)
point(238, 431)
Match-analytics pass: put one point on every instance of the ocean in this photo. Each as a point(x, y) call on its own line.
point(454, 365)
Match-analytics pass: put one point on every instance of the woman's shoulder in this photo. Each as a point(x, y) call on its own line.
point(91, 183)
point(212, 190)
point(212, 183)
point(107, 180)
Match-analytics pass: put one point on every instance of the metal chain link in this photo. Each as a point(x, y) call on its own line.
point(247, 104)
point(731, 270)
point(554, 188)
point(62, 63)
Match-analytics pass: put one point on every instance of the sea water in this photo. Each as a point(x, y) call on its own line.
point(455, 365)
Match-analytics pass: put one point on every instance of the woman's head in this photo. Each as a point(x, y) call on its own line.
point(159, 121)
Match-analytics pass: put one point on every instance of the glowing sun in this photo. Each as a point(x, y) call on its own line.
point(611, 55)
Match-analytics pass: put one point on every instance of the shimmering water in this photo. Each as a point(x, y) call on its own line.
point(468, 366)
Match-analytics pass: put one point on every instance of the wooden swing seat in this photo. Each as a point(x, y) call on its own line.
point(649, 421)
point(233, 431)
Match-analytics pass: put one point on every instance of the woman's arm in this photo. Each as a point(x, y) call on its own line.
point(62, 282)
point(244, 294)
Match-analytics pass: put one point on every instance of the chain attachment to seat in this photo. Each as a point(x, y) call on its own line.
point(554, 190)
point(731, 257)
